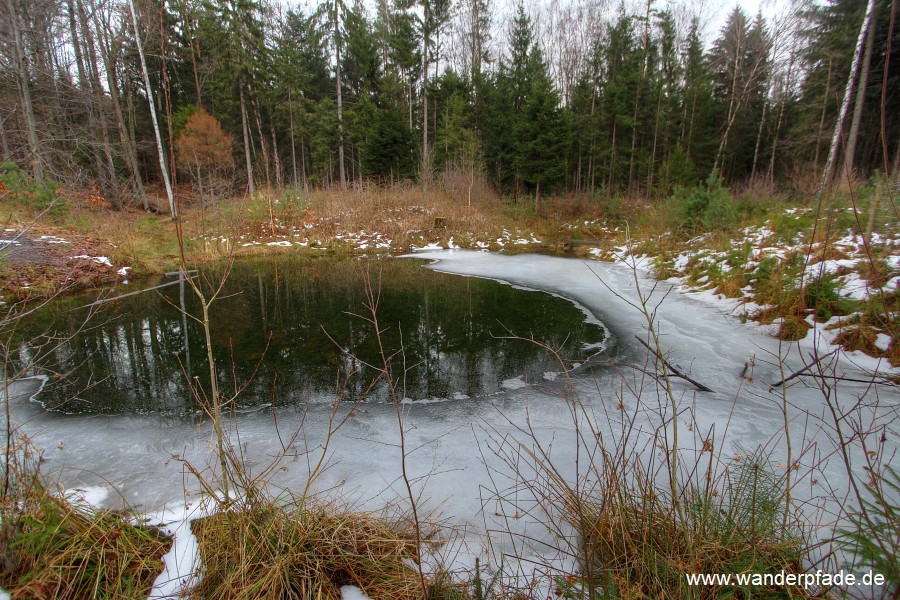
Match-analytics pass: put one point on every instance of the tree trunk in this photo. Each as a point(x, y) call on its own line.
point(109, 65)
point(612, 159)
point(828, 172)
point(85, 95)
point(759, 133)
point(850, 152)
point(824, 112)
point(784, 92)
point(279, 177)
point(110, 180)
point(340, 104)
point(734, 105)
point(251, 188)
point(192, 41)
point(25, 90)
point(4, 143)
point(591, 155)
point(651, 171)
point(637, 96)
point(303, 175)
point(159, 145)
point(263, 149)
point(426, 155)
point(167, 98)
point(293, 147)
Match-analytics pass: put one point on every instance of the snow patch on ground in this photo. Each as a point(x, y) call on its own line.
point(100, 260)
point(181, 562)
point(351, 592)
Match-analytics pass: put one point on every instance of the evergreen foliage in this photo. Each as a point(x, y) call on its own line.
point(627, 103)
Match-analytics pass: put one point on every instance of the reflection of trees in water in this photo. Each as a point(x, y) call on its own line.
point(136, 355)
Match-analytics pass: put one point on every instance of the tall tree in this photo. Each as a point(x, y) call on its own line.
point(739, 59)
point(435, 16)
point(23, 76)
point(336, 24)
point(828, 171)
point(149, 90)
point(542, 134)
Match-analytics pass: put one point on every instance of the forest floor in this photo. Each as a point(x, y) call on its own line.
point(775, 261)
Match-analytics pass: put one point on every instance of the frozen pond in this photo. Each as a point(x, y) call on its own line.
point(466, 454)
point(285, 327)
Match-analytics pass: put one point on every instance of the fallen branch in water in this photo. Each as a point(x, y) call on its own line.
point(149, 289)
point(804, 369)
point(675, 371)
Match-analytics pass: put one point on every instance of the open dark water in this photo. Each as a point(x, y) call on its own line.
point(447, 337)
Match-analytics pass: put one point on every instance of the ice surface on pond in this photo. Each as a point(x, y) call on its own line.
point(463, 454)
point(88, 497)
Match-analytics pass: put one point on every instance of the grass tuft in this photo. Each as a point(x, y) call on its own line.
point(637, 544)
point(274, 551)
point(793, 329)
point(52, 548)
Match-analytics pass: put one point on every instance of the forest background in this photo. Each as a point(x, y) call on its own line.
point(580, 98)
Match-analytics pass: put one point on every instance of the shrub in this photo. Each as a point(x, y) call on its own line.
point(637, 545)
point(822, 294)
point(705, 207)
point(873, 538)
point(775, 282)
point(677, 171)
point(793, 329)
point(33, 194)
point(204, 152)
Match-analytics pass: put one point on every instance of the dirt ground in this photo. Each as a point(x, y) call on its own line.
point(42, 261)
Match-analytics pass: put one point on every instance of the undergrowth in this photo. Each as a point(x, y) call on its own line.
point(637, 544)
point(52, 548)
point(272, 550)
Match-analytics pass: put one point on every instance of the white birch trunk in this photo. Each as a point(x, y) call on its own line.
point(159, 145)
point(828, 171)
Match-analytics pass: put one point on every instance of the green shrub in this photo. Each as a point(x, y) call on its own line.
point(676, 172)
point(13, 178)
point(706, 207)
point(33, 194)
point(822, 295)
point(788, 227)
point(738, 257)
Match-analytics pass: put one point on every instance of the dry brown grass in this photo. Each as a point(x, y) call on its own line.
point(54, 549)
point(404, 213)
point(861, 337)
point(636, 543)
point(733, 283)
point(793, 328)
point(272, 551)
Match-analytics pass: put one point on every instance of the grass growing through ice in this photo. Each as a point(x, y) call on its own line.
point(52, 548)
point(635, 544)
